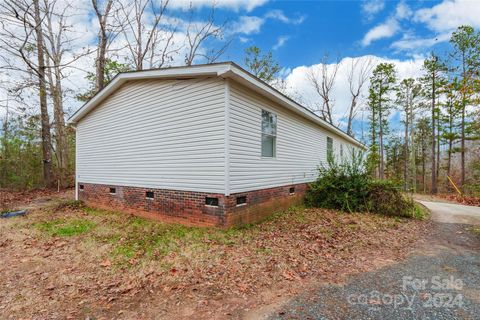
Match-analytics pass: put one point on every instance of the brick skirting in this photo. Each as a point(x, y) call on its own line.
point(188, 207)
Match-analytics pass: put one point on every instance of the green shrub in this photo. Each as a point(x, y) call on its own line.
point(342, 186)
point(347, 186)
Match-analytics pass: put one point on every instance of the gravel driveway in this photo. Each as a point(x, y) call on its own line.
point(439, 280)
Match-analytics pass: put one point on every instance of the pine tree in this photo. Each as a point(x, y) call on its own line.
point(466, 54)
point(432, 81)
point(382, 85)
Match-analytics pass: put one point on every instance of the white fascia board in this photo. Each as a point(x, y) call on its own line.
point(249, 81)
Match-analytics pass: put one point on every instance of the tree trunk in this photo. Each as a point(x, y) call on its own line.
point(464, 103)
point(59, 116)
point(100, 62)
point(405, 166)
point(350, 116)
point(434, 137)
point(462, 151)
point(413, 156)
point(424, 168)
point(437, 171)
point(6, 157)
point(46, 138)
point(380, 138)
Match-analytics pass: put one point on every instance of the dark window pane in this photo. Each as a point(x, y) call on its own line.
point(113, 190)
point(241, 200)
point(149, 194)
point(211, 201)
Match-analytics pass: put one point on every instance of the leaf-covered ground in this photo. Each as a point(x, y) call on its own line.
point(67, 261)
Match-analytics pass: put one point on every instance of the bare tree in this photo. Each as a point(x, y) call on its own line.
point(198, 33)
point(357, 75)
point(147, 39)
point(28, 45)
point(322, 80)
point(103, 38)
point(56, 44)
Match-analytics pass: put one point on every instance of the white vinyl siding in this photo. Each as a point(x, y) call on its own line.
point(300, 144)
point(167, 134)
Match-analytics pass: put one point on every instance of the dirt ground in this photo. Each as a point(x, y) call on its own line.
point(64, 261)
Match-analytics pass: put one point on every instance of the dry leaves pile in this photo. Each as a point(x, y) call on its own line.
point(216, 274)
point(466, 200)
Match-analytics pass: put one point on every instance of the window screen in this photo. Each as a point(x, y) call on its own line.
point(269, 134)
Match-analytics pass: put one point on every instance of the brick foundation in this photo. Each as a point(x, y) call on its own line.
point(188, 207)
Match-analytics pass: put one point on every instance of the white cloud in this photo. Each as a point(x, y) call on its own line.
point(280, 42)
point(243, 39)
point(403, 11)
point(372, 7)
point(298, 83)
point(385, 30)
point(235, 5)
point(246, 25)
point(279, 15)
point(390, 27)
point(409, 43)
point(450, 14)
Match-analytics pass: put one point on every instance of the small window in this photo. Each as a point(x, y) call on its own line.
point(241, 200)
point(209, 201)
point(341, 150)
point(81, 187)
point(329, 147)
point(113, 190)
point(292, 190)
point(149, 195)
point(269, 134)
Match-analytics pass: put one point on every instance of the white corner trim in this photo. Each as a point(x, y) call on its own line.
point(227, 137)
point(76, 163)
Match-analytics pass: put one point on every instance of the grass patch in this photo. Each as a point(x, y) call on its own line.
point(66, 228)
point(475, 230)
point(420, 212)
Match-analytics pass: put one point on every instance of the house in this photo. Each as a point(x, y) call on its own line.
point(204, 145)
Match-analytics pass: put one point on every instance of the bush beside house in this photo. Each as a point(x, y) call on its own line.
point(351, 188)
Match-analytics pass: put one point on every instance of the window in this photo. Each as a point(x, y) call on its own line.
point(113, 191)
point(329, 147)
point(292, 190)
point(81, 187)
point(269, 134)
point(341, 150)
point(241, 200)
point(149, 195)
point(211, 201)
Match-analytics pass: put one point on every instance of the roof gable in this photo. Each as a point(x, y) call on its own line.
point(224, 70)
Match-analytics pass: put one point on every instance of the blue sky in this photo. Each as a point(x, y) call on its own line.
point(299, 34)
point(338, 27)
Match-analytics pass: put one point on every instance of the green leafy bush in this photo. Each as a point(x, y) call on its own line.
point(347, 186)
point(342, 186)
